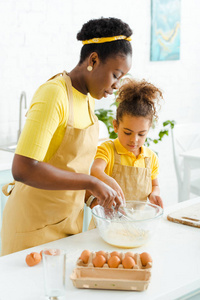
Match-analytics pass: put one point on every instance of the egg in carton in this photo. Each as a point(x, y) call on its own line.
point(136, 256)
point(86, 275)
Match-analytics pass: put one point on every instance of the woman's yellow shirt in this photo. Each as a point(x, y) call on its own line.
point(47, 119)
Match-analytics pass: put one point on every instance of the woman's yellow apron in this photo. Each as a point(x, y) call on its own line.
point(34, 216)
point(135, 182)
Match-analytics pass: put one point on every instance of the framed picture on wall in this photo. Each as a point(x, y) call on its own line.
point(165, 30)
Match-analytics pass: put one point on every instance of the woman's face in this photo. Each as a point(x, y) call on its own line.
point(132, 132)
point(105, 76)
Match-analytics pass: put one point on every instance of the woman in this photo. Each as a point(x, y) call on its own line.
point(58, 142)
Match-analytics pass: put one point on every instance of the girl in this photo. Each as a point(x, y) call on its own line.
point(59, 140)
point(125, 164)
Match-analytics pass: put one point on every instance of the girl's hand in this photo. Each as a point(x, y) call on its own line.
point(155, 199)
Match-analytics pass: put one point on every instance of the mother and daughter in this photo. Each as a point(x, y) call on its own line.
point(57, 146)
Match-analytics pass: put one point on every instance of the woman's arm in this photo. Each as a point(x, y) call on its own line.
point(97, 170)
point(44, 176)
point(154, 197)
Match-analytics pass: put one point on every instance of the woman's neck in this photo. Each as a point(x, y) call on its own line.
point(78, 79)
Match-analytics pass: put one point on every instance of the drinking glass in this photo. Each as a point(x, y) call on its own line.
point(54, 264)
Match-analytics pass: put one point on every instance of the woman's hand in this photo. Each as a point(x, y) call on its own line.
point(115, 186)
point(106, 196)
point(97, 170)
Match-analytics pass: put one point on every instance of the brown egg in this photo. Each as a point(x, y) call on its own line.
point(85, 256)
point(33, 259)
point(101, 252)
point(115, 253)
point(99, 261)
point(145, 258)
point(129, 253)
point(114, 261)
point(128, 262)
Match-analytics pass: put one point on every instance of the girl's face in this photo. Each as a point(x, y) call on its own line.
point(105, 77)
point(132, 132)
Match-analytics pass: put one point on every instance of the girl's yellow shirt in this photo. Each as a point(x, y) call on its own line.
point(47, 119)
point(106, 152)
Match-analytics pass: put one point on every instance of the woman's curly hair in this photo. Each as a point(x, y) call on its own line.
point(105, 27)
point(139, 99)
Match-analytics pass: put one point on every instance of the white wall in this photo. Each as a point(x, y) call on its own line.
point(38, 39)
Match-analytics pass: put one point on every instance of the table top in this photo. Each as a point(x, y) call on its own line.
point(194, 153)
point(175, 271)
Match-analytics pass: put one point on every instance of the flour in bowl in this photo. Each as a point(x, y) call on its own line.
point(124, 235)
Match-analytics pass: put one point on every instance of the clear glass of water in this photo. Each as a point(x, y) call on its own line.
point(54, 264)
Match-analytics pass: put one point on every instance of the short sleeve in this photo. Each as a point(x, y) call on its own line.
point(105, 151)
point(46, 113)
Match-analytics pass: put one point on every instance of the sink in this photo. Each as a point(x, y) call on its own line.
point(9, 148)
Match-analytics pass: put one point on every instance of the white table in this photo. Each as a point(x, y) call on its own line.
point(176, 263)
point(191, 161)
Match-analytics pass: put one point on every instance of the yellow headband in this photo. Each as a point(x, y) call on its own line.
point(106, 39)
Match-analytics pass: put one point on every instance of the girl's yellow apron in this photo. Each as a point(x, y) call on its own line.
point(135, 182)
point(34, 216)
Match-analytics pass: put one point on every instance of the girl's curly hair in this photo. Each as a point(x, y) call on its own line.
point(139, 99)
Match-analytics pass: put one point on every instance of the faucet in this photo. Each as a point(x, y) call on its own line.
point(22, 96)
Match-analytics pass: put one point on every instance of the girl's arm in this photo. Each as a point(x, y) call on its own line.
point(45, 176)
point(154, 197)
point(97, 170)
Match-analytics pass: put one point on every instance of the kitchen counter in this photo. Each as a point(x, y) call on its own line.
point(175, 273)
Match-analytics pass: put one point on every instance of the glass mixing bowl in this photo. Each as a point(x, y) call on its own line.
point(129, 227)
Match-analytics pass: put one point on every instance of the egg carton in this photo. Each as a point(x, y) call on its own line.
point(89, 277)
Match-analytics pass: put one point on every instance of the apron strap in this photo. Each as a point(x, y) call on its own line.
point(69, 93)
point(147, 162)
point(91, 112)
point(59, 74)
point(70, 97)
point(6, 186)
point(117, 157)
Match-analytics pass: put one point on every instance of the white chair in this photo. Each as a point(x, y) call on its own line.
point(185, 137)
point(103, 136)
